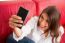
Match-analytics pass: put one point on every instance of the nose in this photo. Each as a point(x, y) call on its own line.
point(44, 23)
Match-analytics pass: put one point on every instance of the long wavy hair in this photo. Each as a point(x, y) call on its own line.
point(54, 17)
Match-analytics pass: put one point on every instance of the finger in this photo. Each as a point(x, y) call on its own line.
point(18, 21)
point(16, 17)
point(15, 20)
point(11, 25)
point(15, 24)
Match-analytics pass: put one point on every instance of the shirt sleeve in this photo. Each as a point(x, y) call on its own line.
point(26, 29)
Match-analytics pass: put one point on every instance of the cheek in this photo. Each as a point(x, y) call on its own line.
point(40, 21)
point(43, 23)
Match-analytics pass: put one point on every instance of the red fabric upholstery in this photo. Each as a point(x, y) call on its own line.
point(9, 8)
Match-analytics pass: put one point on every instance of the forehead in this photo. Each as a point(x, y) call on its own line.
point(45, 16)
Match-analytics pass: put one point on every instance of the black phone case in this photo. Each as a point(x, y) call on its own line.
point(22, 13)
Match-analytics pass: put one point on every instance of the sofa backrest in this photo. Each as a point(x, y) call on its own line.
point(7, 9)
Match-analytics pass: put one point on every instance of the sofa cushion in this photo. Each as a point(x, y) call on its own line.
point(11, 8)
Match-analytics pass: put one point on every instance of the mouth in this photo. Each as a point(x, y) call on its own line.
point(43, 28)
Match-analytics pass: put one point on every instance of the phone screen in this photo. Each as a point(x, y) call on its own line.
point(22, 13)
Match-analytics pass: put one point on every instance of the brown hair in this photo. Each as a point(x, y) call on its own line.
point(54, 17)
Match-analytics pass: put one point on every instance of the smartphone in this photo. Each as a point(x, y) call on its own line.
point(22, 13)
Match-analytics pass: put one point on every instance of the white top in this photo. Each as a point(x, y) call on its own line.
point(36, 34)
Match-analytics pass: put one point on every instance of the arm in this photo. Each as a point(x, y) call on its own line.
point(25, 30)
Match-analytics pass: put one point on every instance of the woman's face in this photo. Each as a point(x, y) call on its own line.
point(43, 22)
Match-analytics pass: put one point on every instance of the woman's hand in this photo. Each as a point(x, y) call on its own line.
point(15, 22)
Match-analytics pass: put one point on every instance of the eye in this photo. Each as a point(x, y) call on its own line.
point(42, 17)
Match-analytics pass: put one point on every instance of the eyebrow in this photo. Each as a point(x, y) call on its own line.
point(43, 18)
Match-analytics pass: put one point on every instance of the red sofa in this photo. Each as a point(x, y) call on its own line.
point(9, 8)
point(34, 6)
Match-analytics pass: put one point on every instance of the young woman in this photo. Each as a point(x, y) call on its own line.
point(43, 29)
